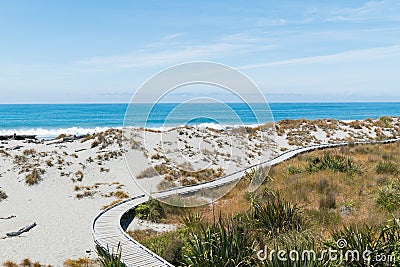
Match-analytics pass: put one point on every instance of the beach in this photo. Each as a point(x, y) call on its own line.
point(62, 184)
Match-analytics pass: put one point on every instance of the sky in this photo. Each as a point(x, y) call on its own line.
point(103, 51)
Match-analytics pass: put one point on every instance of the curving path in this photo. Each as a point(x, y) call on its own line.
point(107, 227)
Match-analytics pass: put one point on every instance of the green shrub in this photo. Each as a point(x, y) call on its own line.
point(152, 210)
point(168, 245)
point(387, 121)
point(294, 169)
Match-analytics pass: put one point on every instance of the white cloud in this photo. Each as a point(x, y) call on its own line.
point(373, 10)
point(152, 55)
point(172, 36)
point(360, 55)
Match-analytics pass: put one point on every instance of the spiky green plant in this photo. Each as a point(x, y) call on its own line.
point(377, 240)
point(388, 196)
point(387, 167)
point(225, 242)
point(276, 215)
point(339, 163)
point(109, 258)
point(304, 243)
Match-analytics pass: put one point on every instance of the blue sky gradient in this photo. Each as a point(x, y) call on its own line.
point(102, 51)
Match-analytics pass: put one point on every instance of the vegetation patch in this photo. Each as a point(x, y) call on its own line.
point(387, 167)
point(388, 196)
point(3, 195)
point(334, 162)
point(24, 263)
point(152, 210)
point(147, 173)
point(34, 177)
point(4, 153)
point(306, 203)
point(81, 262)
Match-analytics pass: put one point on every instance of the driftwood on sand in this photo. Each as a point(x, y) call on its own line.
point(17, 137)
point(7, 218)
point(21, 231)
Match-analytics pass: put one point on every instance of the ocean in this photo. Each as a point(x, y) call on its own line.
point(50, 120)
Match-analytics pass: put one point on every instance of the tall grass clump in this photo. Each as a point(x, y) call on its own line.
point(328, 201)
point(387, 167)
point(334, 162)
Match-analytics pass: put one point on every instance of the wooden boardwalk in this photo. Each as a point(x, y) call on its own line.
point(108, 232)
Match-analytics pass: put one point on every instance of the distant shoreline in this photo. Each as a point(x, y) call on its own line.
point(50, 120)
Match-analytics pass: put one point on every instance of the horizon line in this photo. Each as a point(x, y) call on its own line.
point(126, 103)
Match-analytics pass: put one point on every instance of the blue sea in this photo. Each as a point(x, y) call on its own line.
point(49, 120)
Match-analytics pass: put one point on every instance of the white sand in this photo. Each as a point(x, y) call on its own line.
point(64, 222)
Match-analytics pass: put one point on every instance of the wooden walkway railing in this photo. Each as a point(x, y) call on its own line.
point(108, 232)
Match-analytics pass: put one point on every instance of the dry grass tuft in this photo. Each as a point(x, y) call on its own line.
point(29, 152)
point(26, 263)
point(61, 136)
point(81, 262)
point(85, 194)
point(112, 204)
point(120, 194)
point(3, 195)
point(34, 177)
point(4, 153)
point(79, 176)
point(147, 173)
point(10, 264)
